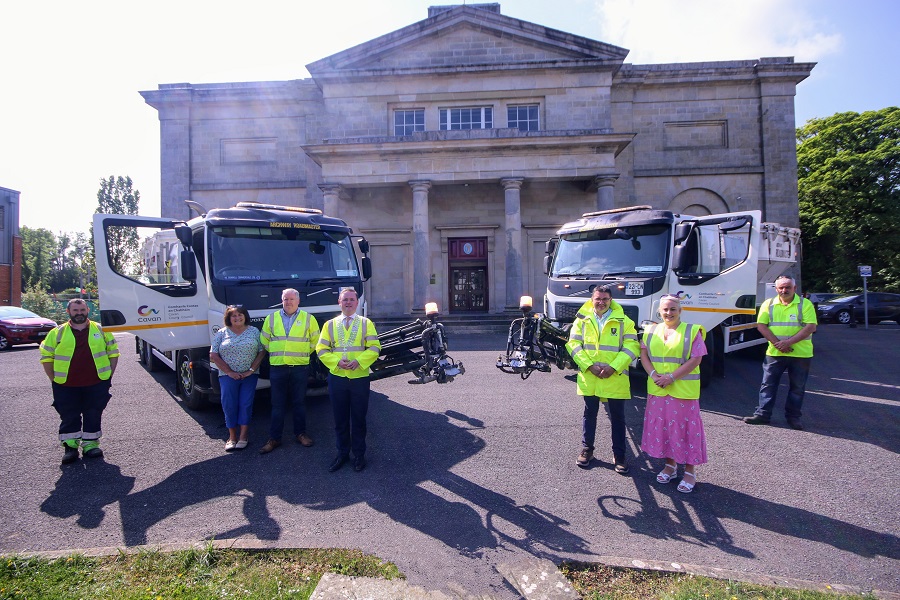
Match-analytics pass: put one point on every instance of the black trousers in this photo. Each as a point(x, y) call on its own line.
point(81, 409)
point(349, 404)
point(615, 410)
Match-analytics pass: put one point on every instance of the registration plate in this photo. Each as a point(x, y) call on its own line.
point(634, 288)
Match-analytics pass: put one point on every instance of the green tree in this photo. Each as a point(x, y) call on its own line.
point(848, 168)
point(38, 301)
point(116, 196)
point(38, 254)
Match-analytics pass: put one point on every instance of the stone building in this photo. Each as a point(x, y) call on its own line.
point(458, 145)
point(10, 249)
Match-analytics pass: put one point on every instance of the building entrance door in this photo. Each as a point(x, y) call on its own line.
point(469, 289)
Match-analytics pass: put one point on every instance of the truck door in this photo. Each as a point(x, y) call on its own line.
point(715, 262)
point(151, 292)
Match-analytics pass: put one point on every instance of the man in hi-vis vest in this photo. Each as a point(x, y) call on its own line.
point(348, 346)
point(787, 321)
point(289, 335)
point(80, 359)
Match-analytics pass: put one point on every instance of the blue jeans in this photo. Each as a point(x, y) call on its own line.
point(237, 399)
point(288, 384)
point(615, 410)
point(350, 404)
point(773, 368)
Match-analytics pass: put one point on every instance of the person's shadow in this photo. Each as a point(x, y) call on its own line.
point(409, 478)
point(84, 489)
point(717, 505)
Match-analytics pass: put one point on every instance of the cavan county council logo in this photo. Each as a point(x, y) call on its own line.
point(145, 314)
point(681, 294)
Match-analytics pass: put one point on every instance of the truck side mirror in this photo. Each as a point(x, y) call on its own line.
point(184, 235)
point(547, 264)
point(550, 246)
point(363, 246)
point(682, 231)
point(188, 265)
point(366, 268)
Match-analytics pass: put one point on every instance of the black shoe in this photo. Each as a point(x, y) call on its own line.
point(94, 453)
point(70, 454)
point(795, 424)
point(756, 420)
point(337, 464)
point(621, 466)
point(359, 463)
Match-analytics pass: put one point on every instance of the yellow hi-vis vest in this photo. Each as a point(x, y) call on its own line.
point(668, 355)
point(293, 347)
point(59, 347)
point(363, 347)
point(785, 321)
point(617, 345)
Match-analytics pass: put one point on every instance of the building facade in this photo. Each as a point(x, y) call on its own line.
point(10, 249)
point(459, 144)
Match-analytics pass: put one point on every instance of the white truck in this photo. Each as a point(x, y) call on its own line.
point(721, 266)
point(191, 271)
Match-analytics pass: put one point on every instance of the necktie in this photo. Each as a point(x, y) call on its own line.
point(347, 321)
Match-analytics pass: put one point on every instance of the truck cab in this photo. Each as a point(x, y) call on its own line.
point(718, 265)
point(174, 298)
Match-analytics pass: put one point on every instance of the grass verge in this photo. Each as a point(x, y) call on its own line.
point(195, 574)
point(599, 582)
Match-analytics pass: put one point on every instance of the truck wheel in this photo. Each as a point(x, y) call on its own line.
point(189, 393)
point(843, 317)
point(148, 359)
point(712, 363)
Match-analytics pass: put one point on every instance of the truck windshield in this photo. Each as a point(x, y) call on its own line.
point(640, 250)
point(248, 254)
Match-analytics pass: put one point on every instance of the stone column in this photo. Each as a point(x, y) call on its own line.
point(331, 193)
point(421, 247)
point(514, 282)
point(605, 192)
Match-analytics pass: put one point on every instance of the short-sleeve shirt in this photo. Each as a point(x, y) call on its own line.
point(788, 314)
point(237, 350)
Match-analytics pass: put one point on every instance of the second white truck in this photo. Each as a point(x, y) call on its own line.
point(721, 267)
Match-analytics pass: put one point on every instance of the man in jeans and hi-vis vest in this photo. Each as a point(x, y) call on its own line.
point(787, 321)
point(290, 336)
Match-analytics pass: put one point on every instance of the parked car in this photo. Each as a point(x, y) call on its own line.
point(20, 326)
point(882, 307)
point(823, 296)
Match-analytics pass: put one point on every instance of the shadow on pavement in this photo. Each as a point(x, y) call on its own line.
point(718, 504)
point(84, 489)
point(409, 481)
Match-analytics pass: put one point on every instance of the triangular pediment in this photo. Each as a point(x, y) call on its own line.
point(466, 36)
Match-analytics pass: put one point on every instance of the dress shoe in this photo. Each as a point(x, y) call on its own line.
point(795, 424)
point(270, 445)
point(70, 454)
point(304, 440)
point(337, 463)
point(621, 466)
point(584, 459)
point(359, 463)
point(756, 420)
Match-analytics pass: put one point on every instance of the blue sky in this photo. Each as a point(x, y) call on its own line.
point(70, 112)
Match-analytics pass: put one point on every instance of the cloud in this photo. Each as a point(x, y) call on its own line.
point(666, 31)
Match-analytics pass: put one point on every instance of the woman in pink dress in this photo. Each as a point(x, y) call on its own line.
point(671, 353)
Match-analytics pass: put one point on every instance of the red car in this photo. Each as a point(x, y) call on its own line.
point(20, 326)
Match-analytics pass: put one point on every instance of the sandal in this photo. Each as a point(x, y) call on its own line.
point(685, 487)
point(665, 477)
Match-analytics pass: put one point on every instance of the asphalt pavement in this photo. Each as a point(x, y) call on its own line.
point(475, 474)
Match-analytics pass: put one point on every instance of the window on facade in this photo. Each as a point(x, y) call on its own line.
point(523, 117)
point(467, 118)
point(408, 121)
